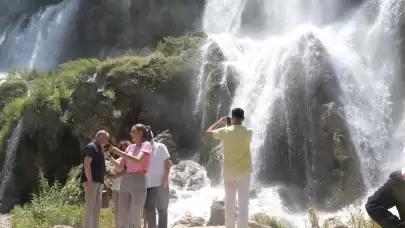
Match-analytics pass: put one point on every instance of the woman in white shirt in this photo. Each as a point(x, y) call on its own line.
point(116, 175)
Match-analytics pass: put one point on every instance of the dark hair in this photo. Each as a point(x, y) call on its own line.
point(147, 134)
point(238, 113)
point(123, 144)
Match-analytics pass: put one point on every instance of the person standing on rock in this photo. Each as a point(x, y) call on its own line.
point(237, 166)
point(157, 182)
point(116, 174)
point(391, 194)
point(93, 179)
point(132, 193)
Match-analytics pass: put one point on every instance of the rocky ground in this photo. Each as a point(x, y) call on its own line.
point(5, 221)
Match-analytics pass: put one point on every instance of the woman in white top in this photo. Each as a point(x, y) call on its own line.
point(116, 175)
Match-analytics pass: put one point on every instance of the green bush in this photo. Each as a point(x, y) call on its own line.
point(9, 118)
point(313, 217)
point(53, 205)
point(11, 89)
point(263, 219)
point(57, 205)
point(187, 45)
point(357, 218)
point(146, 72)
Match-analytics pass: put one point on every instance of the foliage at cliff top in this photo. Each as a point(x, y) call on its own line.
point(45, 111)
point(12, 97)
point(11, 89)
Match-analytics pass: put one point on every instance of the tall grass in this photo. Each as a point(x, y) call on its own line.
point(356, 219)
point(266, 220)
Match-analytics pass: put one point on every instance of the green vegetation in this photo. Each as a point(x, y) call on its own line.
point(60, 104)
point(357, 218)
point(313, 217)
point(9, 118)
point(12, 89)
point(270, 221)
point(56, 205)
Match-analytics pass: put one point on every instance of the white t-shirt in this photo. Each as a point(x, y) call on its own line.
point(156, 171)
point(117, 181)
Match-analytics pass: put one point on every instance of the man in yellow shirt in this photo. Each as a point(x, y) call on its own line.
point(236, 140)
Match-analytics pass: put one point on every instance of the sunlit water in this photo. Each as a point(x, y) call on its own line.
point(37, 41)
point(361, 44)
point(7, 168)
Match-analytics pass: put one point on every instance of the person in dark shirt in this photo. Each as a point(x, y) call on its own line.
point(93, 179)
point(391, 194)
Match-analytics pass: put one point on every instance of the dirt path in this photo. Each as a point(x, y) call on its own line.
point(5, 221)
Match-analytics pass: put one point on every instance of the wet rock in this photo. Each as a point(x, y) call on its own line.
point(166, 138)
point(188, 175)
point(173, 194)
point(334, 222)
point(254, 191)
point(217, 216)
point(308, 146)
point(189, 221)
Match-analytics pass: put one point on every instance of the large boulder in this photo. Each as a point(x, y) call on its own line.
point(218, 85)
point(308, 146)
point(188, 175)
point(217, 214)
point(166, 138)
point(334, 222)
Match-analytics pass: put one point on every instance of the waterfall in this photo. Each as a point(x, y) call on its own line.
point(36, 41)
point(316, 81)
point(363, 66)
point(7, 170)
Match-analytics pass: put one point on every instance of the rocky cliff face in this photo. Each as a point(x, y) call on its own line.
point(108, 27)
point(68, 105)
point(308, 145)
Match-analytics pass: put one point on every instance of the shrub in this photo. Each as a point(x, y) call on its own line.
point(357, 218)
point(51, 206)
point(313, 217)
point(263, 219)
point(11, 89)
point(57, 205)
point(9, 118)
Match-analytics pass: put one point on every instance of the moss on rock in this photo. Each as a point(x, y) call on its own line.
point(11, 89)
point(69, 104)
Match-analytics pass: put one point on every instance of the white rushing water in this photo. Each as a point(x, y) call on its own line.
point(6, 171)
point(361, 45)
point(36, 41)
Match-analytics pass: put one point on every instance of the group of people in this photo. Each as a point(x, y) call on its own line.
point(141, 176)
point(141, 170)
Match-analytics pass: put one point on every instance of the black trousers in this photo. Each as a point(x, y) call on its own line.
point(391, 194)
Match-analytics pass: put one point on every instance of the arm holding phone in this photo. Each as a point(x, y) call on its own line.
point(138, 158)
point(118, 164)
point(220, 133)
point(211, 130)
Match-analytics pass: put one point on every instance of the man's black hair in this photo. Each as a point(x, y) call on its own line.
point(238, 113)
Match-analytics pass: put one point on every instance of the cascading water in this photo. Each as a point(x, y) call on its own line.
point(36, 41)
point(316, 80)
point(32, 41)
point(7, 170)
